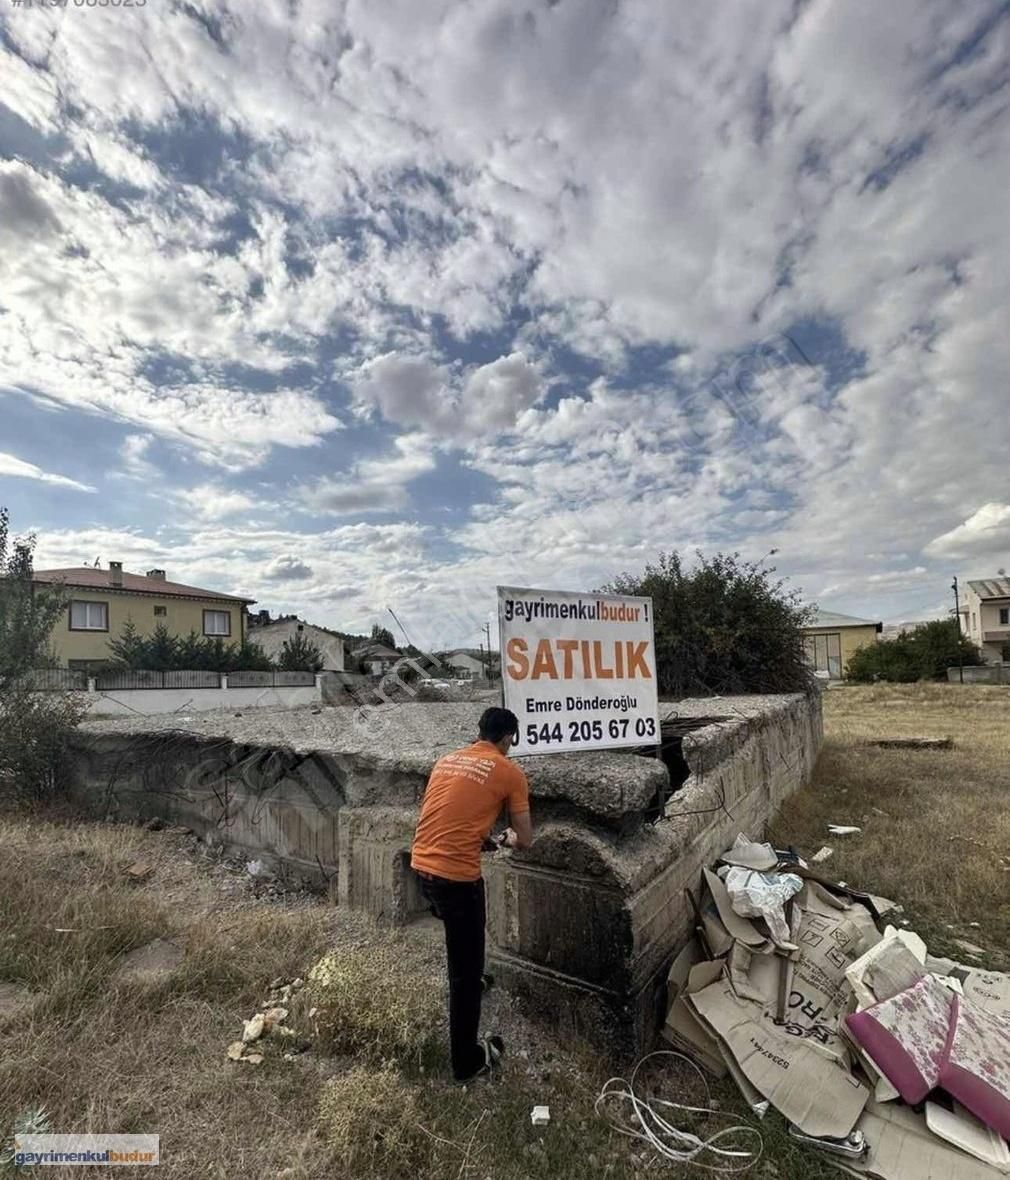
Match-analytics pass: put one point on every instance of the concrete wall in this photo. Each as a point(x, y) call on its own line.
point(181, 616)
point(990, 674)
point(153, 701)
point(585, 923)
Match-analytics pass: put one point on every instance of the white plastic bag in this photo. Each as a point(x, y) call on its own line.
point(763, 895)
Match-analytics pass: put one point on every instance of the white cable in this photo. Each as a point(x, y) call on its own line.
point(670, 1142)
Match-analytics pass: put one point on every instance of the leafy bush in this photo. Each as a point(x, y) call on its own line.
point(300, 654)
point(924, 653)
point(161, 651)
point(372, 1118)
point(35, 727)
point(369, 1006)
point(724, 626)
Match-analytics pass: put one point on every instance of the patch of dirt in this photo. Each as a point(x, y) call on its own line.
point(150, 963)
point(15, 1000)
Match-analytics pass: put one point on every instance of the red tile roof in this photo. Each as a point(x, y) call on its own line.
point(86, 578)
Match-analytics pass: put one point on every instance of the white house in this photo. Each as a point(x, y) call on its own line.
point(376, 658)
point(465, 666)
point(272, 637)
point(985, 617)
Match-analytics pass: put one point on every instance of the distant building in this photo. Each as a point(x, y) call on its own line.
point(985, 617)
point(101, 602)
point(376, 658)
point(465, 666)
point(271, 636)
point(831, 640)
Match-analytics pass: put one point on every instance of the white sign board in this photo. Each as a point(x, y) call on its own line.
point(578, 670)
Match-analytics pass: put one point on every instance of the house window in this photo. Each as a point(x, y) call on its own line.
point(217, 622)
point(89, 616)
point(1004, 615)
point(824, 654)
point(160, 612)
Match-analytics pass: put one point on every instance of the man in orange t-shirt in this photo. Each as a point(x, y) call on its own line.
point(464, 797)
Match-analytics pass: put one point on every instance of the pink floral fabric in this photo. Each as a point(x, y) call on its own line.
point(915, 1023)
point(977, 1069)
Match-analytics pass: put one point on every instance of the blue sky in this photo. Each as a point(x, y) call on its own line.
point(354, 305)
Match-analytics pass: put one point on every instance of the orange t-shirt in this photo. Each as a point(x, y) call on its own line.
point(464, 795)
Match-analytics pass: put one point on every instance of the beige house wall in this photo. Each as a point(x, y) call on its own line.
point(981, 617)
point(851, 639)
point(182, 615)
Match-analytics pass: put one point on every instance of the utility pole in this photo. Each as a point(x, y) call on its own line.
point(957, 623)
point(487, 632)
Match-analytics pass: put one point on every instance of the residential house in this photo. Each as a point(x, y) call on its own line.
point(465, 666)
point(985, 617)
point(272, 635)
point(100, 602)
point(832, 638)
point(376, 658)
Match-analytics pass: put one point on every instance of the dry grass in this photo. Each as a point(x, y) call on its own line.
point(368, 1006)
point(936, 824)
point(107, 1055)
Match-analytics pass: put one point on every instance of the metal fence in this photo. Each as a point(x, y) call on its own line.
point(271, 679)
point(122, 679)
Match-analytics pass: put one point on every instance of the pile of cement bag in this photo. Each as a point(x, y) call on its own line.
point(780, 961)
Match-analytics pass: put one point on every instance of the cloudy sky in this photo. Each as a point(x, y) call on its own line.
point(352, 304)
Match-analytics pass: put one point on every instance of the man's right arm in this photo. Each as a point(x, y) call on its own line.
point(521, 830)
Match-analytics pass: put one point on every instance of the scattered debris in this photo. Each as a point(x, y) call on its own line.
point(253, 1058)
point(140, 870)
point(843, 829)
point(254, 1028)
point(914, 743)
point(235, 1050)
point(179, 830)
point(970, 948)
point(798, 1029)
point(822, 854)
point(154, 824)
point(540, 1116)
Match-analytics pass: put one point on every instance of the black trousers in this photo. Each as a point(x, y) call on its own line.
point(461, 907)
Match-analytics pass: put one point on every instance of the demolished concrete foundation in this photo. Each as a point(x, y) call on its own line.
point(585, 923)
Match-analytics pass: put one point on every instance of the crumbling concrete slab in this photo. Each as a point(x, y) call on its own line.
point(586, 922)
point(914, 743)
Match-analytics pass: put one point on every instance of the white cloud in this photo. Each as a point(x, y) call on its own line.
point(639, 175)
point(985, 533)
point(287, 568)
point(374, 485)
point(11, 465)
point(415, 391)
point(214, 502)
point(133, 454)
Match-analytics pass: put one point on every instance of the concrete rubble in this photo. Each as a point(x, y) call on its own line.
point(832, 1025)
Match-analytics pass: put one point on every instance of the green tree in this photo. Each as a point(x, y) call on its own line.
point(924, 653)
point(383, 635)
point(28, 613)
point(300, 654)
point(250, 657)
point(35, 727)
point(128, 648)
point(723, 626)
